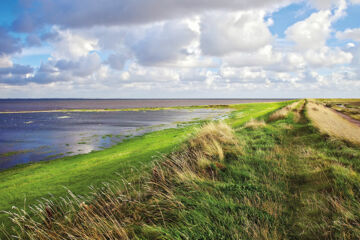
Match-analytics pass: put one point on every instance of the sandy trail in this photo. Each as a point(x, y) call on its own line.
point(332, 123)
point(350, 119)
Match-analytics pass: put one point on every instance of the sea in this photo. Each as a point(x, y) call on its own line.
point(27, 136)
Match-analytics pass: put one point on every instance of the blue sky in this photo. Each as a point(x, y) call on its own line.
point(157, 48)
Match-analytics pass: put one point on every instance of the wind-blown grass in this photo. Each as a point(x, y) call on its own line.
point(115, 210)
point(272, 182)
point(254, 123)
point(283, 112)
point(24, 185)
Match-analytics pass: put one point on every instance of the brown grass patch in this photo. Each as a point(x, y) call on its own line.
point(283, 112)
point(253, 123)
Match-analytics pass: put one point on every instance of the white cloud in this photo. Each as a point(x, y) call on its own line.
point(263, 57)
point(5, 61)
point(327, 57)
point(165, 42)
point(117, 61)
point(355, 1)
point(349, 34)
point(327, 4)
point(89, 13)
point(227, 32)
point(244, 74)
point(191, 48)
point(312, 32)
point(71, 46)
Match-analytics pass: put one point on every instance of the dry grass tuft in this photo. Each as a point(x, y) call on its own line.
point(283, 112)
point(331, 123)
point(113, 211)
point(202, 157)
point(253, 123)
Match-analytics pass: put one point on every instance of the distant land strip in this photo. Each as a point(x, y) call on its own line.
point(120, 109)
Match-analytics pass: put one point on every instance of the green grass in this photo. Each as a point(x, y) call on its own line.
point(283, 180)
point(291, 183)
point(129, 159)
point(77, 173)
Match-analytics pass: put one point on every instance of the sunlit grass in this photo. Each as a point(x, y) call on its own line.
point(25, 184)
point(280, 180)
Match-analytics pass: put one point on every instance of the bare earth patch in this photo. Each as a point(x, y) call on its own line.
point(332, 123)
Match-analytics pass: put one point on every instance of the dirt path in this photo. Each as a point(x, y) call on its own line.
point(332, 123)
point(350, 119)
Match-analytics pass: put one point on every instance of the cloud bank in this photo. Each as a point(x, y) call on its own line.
point(168, 48)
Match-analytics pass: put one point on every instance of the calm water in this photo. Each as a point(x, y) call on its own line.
point(30, 137)
point(57, 104)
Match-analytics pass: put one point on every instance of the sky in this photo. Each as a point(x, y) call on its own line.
point(179, 49)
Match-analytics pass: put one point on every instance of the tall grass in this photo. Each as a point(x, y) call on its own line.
point(255, 123)
point(283, 112)
point(268, 182)
point(118, 210)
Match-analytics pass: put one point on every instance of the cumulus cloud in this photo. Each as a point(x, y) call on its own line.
point(312, 32)
point(349, 34)
point(324, 4)
point(85, 66)
point(16, 74)
point(355, 1)
point(327, 57)
point(189, 48)
point(265, 56)
point(87, 13)
point(8, 44)
point(69, 45)
point(164, 43)
point(33, 40)
point(224, 33)
point(5, 61)
point(116, 61)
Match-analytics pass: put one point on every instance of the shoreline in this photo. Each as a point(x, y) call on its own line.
point(155, 107)
point(123, 159)
point(121, 109)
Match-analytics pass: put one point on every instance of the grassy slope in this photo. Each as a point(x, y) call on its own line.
point(289, 182)
point(77, 173)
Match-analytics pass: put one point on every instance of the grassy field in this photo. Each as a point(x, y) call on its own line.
point(25, 184)
point(273, 177)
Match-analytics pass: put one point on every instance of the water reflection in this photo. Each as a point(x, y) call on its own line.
point(42, 136)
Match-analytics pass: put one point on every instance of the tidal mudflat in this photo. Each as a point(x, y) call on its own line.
point(30, 137)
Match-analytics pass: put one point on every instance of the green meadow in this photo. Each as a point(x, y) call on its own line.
point(26, 184)
point(264, 173)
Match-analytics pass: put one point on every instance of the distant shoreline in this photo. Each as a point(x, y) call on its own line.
point(10, 106)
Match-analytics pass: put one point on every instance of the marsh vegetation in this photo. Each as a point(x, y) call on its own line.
point(252, 176)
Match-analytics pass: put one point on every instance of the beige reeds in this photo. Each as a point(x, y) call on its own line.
point(254, 123)
point(283, 112)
